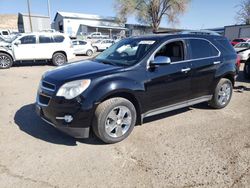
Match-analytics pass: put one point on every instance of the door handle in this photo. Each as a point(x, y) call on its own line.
point(217, 62)
point(185, 69)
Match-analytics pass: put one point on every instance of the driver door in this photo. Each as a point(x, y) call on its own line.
point(25, 48)
point(170, 83)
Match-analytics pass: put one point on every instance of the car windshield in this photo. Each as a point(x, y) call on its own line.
point(243, 45)
point(126, 52)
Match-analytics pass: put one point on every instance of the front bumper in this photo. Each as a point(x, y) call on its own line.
point(52, 109)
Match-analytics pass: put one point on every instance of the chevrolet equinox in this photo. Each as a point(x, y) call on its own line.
point(136, 78)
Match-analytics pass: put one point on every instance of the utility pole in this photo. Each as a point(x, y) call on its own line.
point(28, 2)
point(48, 2)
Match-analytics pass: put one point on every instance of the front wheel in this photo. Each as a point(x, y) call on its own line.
point(5, 61)
point(222, 94)
point(114, 120)
point(59, 59)
point(89, 53)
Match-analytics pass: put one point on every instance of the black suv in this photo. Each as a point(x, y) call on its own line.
point(136, 78)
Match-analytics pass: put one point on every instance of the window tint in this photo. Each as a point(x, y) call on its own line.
point(58, 38)
point(45, 39)
point(82, 42)
point(202, 49)
point(30, 39)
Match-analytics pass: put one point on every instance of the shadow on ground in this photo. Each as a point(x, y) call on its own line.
point(31, 63)
point(27, 120)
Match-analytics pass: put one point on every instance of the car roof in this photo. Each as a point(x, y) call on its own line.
point(177, 35)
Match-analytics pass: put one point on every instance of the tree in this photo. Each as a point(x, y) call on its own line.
point(151, 11)
point(243, 15)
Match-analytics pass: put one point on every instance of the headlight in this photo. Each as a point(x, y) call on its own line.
point(72, 89)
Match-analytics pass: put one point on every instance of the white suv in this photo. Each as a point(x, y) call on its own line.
point(38, 46)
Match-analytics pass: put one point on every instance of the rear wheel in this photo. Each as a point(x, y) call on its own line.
point(222, 94)
point(5, 61)
point(59, 59)
point(95, 48)
point(89, 53)
point(114, 120)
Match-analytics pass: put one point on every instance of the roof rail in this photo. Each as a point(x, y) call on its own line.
point(200, 32)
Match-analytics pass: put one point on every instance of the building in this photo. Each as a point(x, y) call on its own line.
point(33, 23)
point(75, 24)
point(219, 30)
point(237, 31)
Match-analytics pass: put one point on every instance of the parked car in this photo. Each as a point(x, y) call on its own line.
point(112, 92)
point(102, 44)
point(236, 41)
point(243, 51)
point(97, 35)
point(83, 47)
point(37, 46)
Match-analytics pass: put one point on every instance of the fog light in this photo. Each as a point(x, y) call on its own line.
point(66, 118)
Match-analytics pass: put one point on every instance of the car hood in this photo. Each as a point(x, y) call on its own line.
point(79, 70)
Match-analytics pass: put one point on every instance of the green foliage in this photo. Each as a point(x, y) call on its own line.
point(151, 11)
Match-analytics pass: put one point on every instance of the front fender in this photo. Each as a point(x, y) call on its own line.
point(102, 88)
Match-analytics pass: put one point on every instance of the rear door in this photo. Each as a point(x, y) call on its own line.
point(45, 47)
point(204, 58)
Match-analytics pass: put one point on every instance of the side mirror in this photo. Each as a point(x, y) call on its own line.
point(17, 42)
point(161, 60)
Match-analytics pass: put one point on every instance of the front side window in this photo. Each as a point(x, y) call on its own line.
point(126, 52)
point(202, 49)
point(173, 50)
point(45, 39)
point(30, 39)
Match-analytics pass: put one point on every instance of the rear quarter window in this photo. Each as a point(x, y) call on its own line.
point(225, 46)
point(58, 38)
point(202, 49)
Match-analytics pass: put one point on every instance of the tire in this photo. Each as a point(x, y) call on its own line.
point(114, 120)
point(95, 48)
point(6, 61)
point(222, 94)
point(59, 59)
point(247, 70)
point(89, 53)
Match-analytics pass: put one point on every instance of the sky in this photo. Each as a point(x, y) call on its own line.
point(201, 14)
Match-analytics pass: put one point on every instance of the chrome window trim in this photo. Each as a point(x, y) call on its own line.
point(184, 61)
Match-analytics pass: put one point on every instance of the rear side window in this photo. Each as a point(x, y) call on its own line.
point(202, 49)
point(58, 38)
point(30, 39)
point(45, 39)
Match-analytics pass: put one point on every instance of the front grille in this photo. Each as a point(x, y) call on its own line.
point(48, 86)
point(43, 100)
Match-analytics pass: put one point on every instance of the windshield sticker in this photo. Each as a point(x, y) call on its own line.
point(147, 42)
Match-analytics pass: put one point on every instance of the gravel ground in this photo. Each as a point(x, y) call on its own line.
point(191, 147)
